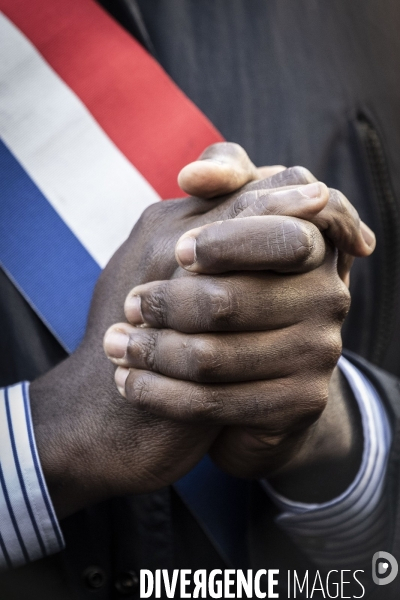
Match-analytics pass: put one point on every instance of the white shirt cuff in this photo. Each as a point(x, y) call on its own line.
point(350, 528)
point(29, 529)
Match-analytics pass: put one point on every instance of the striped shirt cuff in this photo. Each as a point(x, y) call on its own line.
point(28, 526)
point(349, 529)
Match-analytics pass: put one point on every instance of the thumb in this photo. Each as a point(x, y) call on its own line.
point(222, 169)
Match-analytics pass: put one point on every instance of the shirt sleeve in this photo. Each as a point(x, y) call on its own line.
point(28, 526)
point(349, 529)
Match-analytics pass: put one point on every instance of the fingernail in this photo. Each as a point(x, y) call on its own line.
point(116, 344)
point(133, 310)
point(186, 251)
point(368, 235)
point(311, 190)
point(120, 377)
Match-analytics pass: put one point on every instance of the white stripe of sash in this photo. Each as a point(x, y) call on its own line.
point(89, 182)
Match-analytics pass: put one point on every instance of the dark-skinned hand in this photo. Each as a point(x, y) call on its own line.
point(93, 444)
point(262, 383)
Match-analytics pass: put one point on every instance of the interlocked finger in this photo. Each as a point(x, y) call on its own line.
point(209, 249)
point(212, 358)
point(240, 301)
point(270, 404)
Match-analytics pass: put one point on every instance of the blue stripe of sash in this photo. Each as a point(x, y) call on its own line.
point(220, 503)
point(57, 276)
point(45, 260)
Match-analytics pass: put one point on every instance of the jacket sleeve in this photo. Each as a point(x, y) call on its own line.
point(28, 526)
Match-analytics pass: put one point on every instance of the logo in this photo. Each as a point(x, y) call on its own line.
point(384, 568)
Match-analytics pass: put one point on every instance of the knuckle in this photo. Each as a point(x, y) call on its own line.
point(140, 389)
point(329, 348)
point(154, 304)
point(303, 403)
point(205, 361)
point(319, 350)
point(204, 404)
point(220, 306)
point(241, 204)
point(151, 213)
point(153, 217)
point(318, 403)
point(328, 296)
point(296, 175)
point(337, 300)
point(263, 204)
point(342, 301)
point(294, 242)
point(143, 349)
point(312, 404)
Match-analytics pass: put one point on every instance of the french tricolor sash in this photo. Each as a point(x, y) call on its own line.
point(92, 131)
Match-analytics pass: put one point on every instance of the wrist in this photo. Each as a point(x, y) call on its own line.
point(63, 442)
point(330, 455)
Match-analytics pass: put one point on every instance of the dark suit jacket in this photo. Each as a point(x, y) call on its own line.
point(307, 83)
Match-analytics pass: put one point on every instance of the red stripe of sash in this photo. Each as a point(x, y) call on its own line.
point(132, 98)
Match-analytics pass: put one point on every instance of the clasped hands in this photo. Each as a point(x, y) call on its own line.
point(263, 380)
point(227, 343)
